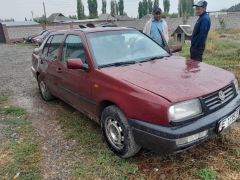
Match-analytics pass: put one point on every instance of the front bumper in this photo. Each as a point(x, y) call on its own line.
point(34, 72)
point(164, 139)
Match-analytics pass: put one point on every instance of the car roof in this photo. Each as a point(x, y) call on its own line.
point(103, 29)
point(92, 30)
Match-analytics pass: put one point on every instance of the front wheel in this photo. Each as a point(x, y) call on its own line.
point(118, 133)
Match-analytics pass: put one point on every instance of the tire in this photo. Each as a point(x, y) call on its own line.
point(44, 91)
point(118, 133)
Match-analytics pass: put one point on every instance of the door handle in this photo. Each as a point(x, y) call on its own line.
point(59, 70)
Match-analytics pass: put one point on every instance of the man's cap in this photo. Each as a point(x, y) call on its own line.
point(156, 10)
point(201, 3)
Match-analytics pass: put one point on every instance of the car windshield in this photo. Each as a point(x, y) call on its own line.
point(123, 47)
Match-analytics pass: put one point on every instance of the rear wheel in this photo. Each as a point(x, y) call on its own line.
point(44, 91)
point(118, 133)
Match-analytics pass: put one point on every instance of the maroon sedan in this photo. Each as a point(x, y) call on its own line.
point(40, 38)
point(140, 94)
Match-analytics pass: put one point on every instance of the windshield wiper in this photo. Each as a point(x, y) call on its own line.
point(153, 58)
point(117, 64)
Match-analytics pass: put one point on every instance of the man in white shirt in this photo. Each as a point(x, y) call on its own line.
point(156, 25)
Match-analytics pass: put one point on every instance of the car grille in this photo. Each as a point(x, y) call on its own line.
point(214, 101)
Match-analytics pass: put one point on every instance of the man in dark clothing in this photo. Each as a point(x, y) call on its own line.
point(200, 31)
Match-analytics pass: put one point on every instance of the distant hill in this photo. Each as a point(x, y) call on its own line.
point(234, 8)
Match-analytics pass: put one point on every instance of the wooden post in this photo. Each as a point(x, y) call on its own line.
point(182, 38)
point(175, 37)
point(45, 15)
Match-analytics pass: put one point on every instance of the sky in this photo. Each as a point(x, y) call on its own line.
point(19, 9)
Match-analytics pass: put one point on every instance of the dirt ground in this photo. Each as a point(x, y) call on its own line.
point(17, 82)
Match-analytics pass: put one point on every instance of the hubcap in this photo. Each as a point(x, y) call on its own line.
point(114, 133)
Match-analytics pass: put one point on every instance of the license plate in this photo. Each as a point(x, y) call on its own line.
point(226, 122)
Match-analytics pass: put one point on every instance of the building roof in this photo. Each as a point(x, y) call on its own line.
point(106, 17)
point(20, 23)
point(137, 24)
point(58, 18)
point(148, 16)
point(124, 18)
point(184, 28)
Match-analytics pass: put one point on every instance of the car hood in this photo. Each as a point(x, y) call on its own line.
point(174, 78)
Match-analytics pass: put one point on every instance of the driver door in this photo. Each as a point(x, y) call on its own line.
point(75, 83)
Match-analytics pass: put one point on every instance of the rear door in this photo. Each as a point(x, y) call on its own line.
point(49, 62)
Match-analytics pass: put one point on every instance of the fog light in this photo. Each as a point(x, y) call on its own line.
point(192, 138)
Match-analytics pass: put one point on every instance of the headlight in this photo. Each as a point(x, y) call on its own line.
point(236, 84)
point(184, 110)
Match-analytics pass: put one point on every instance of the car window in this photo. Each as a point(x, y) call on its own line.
point(73, 48)
point(123, 46)
point(46, 46)
point(51, 48)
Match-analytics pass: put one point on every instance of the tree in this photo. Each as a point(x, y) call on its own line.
point(7, 20)
point(150, 6)
point(92, 7)
point(121, 7)
point(41, 20)
point(104, 6)
point(185, 8)
point(140, 10)
point(80, 9)
point(156, 4)
point(145, 7)
point(114, 8)
point(72, 17)
point(166, 6)
point(117, 8)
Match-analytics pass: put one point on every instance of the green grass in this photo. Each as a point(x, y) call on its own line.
point(228, 31)
point(12, 110)
point(207, 174)
point(94, 159)
point(3, 99)
point(221, 53)
point(19, 151)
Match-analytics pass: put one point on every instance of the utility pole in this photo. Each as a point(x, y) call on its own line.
point(32, 15)
point(45, 13)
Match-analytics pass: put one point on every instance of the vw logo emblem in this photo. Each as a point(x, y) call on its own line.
point(221, 95)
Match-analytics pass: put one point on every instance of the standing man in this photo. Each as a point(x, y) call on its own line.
point(157, 26)
point(200, 31)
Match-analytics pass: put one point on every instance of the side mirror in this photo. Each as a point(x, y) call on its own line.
point(176, 48)
point(76, 64)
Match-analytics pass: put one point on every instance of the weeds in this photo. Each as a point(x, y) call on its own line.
point(19, 154)
point(207, 174)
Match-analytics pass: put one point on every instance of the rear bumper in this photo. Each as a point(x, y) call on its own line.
point(164, 139)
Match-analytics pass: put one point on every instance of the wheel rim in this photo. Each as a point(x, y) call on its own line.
point(43, 88)
point(114, 133)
